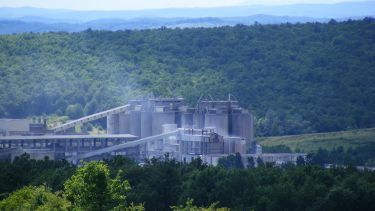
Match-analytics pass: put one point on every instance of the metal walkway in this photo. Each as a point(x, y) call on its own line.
point(122, 146)
point(90, 118)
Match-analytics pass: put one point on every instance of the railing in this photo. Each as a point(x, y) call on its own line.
point(122, 146)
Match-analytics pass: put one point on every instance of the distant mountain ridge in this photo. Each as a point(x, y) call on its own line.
point(28, 19)
point(20, 26)
point(339, 10)
point(8, 26)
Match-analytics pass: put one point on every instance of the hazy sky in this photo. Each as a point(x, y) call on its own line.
point(146, 4)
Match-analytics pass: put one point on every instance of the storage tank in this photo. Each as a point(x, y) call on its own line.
point(247, 126)
point(159, 118)
point(124, 123)
point(198, 120)
point(146, 124)
point(218, 120)
point(187, 119)
point(166, 128)
point(241, 124)
point(251, 127)
point(113, 124)
point(135, 123)
point(235, 123)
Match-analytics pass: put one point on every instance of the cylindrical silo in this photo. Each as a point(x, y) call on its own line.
point(113, 124)
point(235, 123)
point(251, 126)
point(160, 118)
point(247, 126)
point(135, 123)
point(187, 120)
point(124, 123)
point(166, 128)
point(217, 120)
point(146, 124)
point(198, 120)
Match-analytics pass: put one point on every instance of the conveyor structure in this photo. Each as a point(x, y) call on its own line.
point(89, 118)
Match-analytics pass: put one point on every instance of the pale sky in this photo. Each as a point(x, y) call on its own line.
point(147, 4)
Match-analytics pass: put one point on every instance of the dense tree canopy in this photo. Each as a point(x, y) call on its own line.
point(35, 198)
point(91, 188)
point(169, 185)
point(25, 171)
point(296, 78)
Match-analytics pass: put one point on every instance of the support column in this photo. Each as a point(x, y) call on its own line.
point(78, 146)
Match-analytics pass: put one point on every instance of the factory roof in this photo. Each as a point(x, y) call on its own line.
point(105, 136)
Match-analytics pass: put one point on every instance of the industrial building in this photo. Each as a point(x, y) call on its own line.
point(61, 146)
point(143, 129)
point(146, 118)
point(11, 127)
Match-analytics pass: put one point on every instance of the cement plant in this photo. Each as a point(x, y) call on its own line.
point(144, 129)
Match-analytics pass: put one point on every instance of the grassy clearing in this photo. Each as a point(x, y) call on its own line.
point(54, 120)
point(314, 141)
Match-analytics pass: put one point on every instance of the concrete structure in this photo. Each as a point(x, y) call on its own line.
point(275, 158)
point(62, 146)
point(89, 118)
point(180, 144)
point(143, 129)
point(9, 127)
point(24, 127)
point(146, 118)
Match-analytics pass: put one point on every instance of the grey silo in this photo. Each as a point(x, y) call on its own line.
point(113, 124)
point(146, 117)
point(146, 124)
point(198, 120)
point(218, 120)
point(245, 126)
point(234, 121)
point(135, 123)
point(159, 118)
point(124, 123)
point(187, 120)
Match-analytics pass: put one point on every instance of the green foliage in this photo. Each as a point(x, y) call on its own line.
point(54, 120)
point(158, 184)
point(133, 207)
point(190, 207)
point(168, 185)
point(276, 149)
point(312, 142)
point(300, 161)
point(34, 198)
point(74, 111)
point(91, 188)
point(260, 162)
point(360, 156)
point(355, 147)
point(296, 78)
point(231, 161)
point(25, 171)
point(250, 162)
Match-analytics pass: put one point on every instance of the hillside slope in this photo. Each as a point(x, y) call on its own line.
point(314, 10)
point(295, 78)
point(328, 141)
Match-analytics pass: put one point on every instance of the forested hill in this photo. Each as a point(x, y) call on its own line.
point(295, 78)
